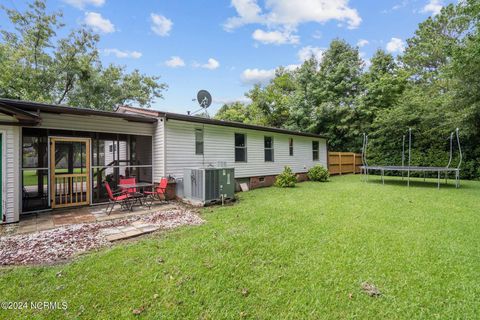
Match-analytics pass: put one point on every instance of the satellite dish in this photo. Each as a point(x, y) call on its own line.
point(204, 98)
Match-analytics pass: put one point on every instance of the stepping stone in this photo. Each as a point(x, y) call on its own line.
point(115, 237)
point(148, 229)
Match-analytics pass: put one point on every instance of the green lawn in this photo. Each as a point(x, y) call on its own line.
point(284, 254)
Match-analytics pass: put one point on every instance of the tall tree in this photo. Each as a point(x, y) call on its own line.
point(383, 84)
point(271, 103)
point(235, 111)
point(38, 65)
point(338, 84)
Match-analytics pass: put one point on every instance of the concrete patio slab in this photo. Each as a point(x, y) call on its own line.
point(40, 221)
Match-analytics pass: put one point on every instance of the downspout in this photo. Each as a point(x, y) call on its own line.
point(165, 146)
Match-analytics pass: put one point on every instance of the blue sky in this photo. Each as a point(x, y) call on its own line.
point(225, 46)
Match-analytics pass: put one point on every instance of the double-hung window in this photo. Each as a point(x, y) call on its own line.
point(290, 146)
point(199, 141)
point(240, 147)
point(315, 150)
point(268, 144)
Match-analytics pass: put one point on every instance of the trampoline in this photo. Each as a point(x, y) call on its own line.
point(366, 168)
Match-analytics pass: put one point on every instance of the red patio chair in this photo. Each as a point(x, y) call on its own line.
point(121, 198)
point(159, 190)
point(132, 192)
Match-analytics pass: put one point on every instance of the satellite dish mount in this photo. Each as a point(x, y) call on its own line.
point(204, 99)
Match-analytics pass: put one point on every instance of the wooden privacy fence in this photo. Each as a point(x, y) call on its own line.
point(344, 162)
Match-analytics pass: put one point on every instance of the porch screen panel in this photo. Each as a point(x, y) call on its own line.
point(117, 156)
point(34, 172)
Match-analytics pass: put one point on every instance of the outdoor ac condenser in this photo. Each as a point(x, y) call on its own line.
point(209, 185)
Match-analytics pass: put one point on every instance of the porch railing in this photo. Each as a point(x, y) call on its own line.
point(71, 189)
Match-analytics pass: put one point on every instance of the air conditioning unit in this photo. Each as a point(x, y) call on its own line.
point(209, 185)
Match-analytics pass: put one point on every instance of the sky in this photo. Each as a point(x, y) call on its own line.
point(226, 46)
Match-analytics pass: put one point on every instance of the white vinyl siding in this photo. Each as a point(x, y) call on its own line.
point(159, 150)
point(10, 173)
point(219, 146)
point(94, 124)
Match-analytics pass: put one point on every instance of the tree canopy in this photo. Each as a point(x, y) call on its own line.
point(38, 64)
point(433, 87)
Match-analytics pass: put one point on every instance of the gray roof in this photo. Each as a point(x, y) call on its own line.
point(188, 118)
point(33, 108)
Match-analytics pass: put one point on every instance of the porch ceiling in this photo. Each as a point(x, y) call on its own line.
point(19, 116)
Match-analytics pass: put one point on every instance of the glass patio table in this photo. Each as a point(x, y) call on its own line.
point(138, 186)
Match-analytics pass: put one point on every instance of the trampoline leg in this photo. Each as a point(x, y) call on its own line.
point(438, 185)
point(383, 180)
point(446, 177)
point(408, 178)
point(423, 176)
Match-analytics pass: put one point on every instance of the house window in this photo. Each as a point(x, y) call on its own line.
point(290, 146)
point(268, 144)
point(199, 141)
point(315, 151)
point(240, 147)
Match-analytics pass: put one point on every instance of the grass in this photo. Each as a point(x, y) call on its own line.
point(30, 177)
point(284, 253)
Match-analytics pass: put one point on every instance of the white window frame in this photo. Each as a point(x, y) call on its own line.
point(196, 141)
point(271, 149)
point(317, 150)
point(244, 148)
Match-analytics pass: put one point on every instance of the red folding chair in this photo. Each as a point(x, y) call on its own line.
point(132, 192)
point(120, 197)
point(157, 193)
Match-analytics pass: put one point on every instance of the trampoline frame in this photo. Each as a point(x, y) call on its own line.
point(365, 168)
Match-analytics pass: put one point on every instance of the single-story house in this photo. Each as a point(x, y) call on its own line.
point(56, 156)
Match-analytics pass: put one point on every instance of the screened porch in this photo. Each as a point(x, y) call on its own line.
point(67, 168)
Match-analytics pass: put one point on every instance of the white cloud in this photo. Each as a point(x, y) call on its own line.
point(433, 6)
point(123, 54)
point(80, 4)
point(161, 25)
point(252, 76)
point(306, 53)
point(211, 64)
point(232, 100)
point(362, 43)
point(175, 62)
point(248, 12)
point(395, 45)
point(289, 14)
point(275, 37)
point(98, 23)
point(262, 76)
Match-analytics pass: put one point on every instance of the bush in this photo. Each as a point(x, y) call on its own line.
point(286, 179)
point(318, 173)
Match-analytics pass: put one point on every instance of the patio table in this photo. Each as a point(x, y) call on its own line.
point(139, 185)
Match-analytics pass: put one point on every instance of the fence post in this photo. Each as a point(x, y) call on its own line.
point(340, 162)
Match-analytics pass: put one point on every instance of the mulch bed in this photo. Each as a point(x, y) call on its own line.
point(63, 243)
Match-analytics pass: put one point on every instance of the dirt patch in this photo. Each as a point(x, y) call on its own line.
point(63, 243)
point(371, 289)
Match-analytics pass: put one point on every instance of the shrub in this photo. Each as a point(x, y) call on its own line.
point(318, 173)
point(286, 179)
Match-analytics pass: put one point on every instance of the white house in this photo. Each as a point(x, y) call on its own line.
point(57, 156)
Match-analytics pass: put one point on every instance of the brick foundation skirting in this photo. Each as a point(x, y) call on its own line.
point(268, 181)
